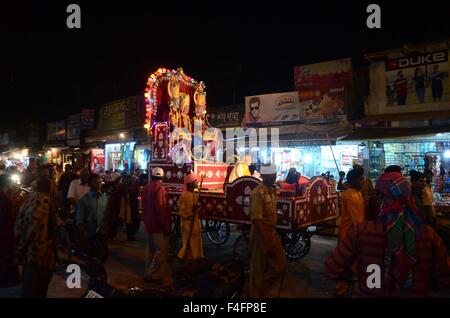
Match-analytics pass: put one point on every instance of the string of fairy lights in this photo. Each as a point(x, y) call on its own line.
point(151, 91)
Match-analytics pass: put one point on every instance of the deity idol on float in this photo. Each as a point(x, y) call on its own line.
point(200, 104)
point(185, 120)
point(173, 89)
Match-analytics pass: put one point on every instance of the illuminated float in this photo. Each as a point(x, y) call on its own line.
point(176, 114)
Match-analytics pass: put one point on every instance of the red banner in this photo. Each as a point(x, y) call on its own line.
point(98, 161)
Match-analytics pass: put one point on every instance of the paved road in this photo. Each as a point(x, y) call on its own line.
point(125, 268)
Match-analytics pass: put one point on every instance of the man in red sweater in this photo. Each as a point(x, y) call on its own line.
point(397, 255)
point(157, 220)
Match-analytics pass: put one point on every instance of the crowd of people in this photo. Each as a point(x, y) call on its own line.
point(92, 207)
point(389, 225)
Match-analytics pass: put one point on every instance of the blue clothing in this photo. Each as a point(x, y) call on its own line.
point(91, 211)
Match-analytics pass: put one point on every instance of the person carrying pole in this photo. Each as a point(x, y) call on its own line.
point(191, 230)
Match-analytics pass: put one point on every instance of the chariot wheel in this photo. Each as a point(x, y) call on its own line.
point(217, 232)
point(297, 244)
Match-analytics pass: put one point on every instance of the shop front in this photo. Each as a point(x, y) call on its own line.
point(141, 156)
point(121, 135)
point(119, 156)
point(18, 157)
point(314, 150)
point(311, 149)
point(315, 159)
point(410, 97)
point(55, 154)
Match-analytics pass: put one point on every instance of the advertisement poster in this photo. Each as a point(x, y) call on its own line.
point(98, 161)
point(322, 89)
point(272, 108)
point(419, 79)
point(56, 131)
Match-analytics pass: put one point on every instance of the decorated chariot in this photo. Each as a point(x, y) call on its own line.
point(183, 141)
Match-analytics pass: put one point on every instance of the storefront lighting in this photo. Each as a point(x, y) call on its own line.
point(122, 136)
point(447, 154)
point(308, 158)
point(15, 178)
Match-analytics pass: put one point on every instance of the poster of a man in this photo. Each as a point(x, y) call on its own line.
point(401, 88)
point(253, 115)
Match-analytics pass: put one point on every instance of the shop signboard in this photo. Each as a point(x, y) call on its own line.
point(304, 143)
point(322, 90)
point(272, 109)
point(73, 127)
point(34, 133)
point(228, 116)
point(87, 119)
point(122, 114)
point(98, 161)
point(417, 79)
point(56, 130)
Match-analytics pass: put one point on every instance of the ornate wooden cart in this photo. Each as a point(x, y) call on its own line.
point(223, 203)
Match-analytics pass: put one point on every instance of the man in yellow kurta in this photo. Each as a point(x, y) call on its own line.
point(353, 204)
point(241, 169)
point(191, 234)
point(268, 260)
point(352, 214)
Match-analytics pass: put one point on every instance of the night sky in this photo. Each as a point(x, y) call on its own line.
point(49, 71)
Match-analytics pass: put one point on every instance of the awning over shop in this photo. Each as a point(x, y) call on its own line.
point(395, 133)
point(305, 135)
point(12, 150)
point(441, 115)
point(99, 136)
